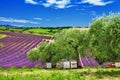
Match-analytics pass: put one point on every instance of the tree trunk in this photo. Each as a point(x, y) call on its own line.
point(77, 55)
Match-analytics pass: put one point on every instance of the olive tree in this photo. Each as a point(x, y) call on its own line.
point(72, 42)
point(105, 37)
point(68, 43)
point(45, 52)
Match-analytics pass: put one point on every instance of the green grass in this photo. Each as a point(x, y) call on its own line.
point(42, 31)
point(60, 74)
point(2, 36)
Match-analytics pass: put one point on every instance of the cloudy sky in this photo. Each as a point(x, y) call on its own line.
point(54, 12)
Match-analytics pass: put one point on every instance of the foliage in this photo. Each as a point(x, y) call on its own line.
point(44, 52)
point(72, 42)
point(2, 28)
point(33, 54)
point(66, 44)
point(105, 37)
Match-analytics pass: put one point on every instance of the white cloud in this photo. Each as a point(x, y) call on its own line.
point(11, 20)
point(31, 2)
point(61, 4)
point(49, 3)
point(58, 3)
point(37, 18)
point(97, 2)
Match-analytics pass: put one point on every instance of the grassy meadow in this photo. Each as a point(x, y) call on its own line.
point(42, 31)
point(58, 74)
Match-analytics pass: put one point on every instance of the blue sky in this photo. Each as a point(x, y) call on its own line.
point(54, 12)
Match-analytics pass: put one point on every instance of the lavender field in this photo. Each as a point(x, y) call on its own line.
point(14, 49)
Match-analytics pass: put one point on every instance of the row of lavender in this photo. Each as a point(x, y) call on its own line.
point(87, 61)
point(13, 53)
point(25, 35)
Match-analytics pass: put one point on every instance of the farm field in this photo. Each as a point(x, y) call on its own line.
point(41, 31)
point(31, 30)
point(58, 74)
point(14, 49)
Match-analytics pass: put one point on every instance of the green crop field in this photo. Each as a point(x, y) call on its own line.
point(60, 74)
point(42, 31)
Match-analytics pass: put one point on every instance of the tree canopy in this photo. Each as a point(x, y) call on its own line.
point(68, 43)
point(105, 37)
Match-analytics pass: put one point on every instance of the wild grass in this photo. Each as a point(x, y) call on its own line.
point(60, 74)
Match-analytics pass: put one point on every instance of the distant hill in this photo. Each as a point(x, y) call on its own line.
point(10, 26)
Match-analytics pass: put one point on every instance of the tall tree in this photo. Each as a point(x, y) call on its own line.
point(68, 43)
point(105, 37)
point(72, 42)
